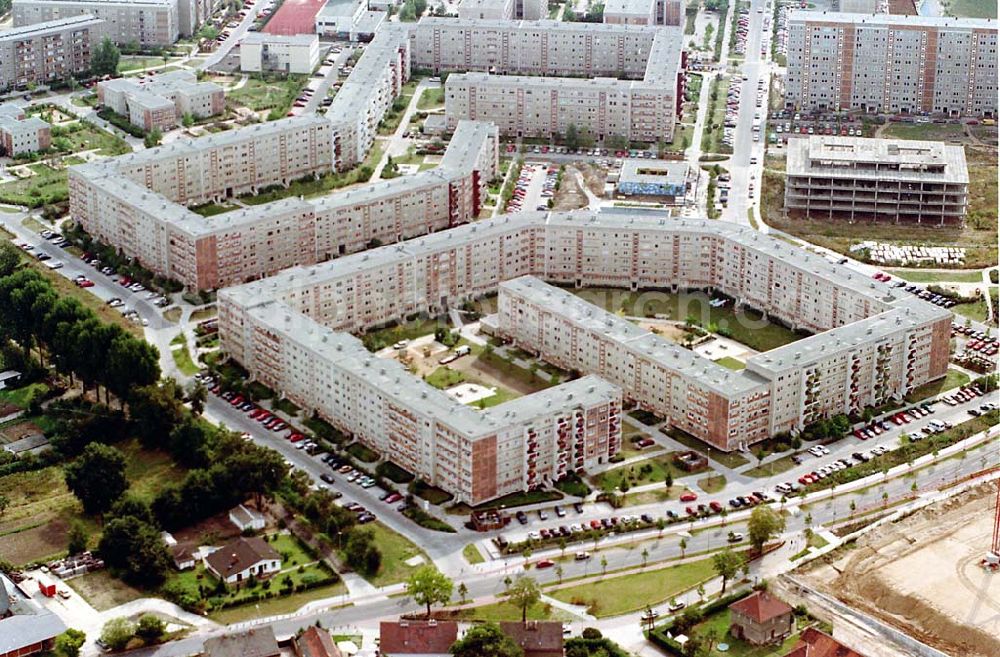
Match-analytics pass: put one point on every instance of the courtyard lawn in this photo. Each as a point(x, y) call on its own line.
point(718, 625)
point(444, 377)
point(82, 136)
point(746, 327)
point(712, 484)
point(972, 8)
point(953, 379)
point(976, 310)
point(648, 471)
point(431, 99)
point(266, 93)
point(614, 596)
point(182, 357)
point(47, 185)
point(731, 363)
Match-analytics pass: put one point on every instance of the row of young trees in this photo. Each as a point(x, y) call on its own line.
point(63, 331)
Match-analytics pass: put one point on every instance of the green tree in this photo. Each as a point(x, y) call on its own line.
point(10, 258)
point(152, 138)
point(136, 550)
point(97, 477)
point(78, 538)
point(764, 524)
point(683, 545)
point(197, 397)
point(117, 633)
point(572, 137)
point(428, 586)
point(486, 640)
point(68, 643)
point(104, 60)
point(362, 553)
point(727, 563)
point(463, 592)
point(523, 594)
point(150, 628)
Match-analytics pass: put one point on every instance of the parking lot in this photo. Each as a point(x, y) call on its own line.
point(533, 187)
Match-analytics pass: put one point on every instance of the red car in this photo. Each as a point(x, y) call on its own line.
point(86, 283)
point(688, 496)
point(715, 506)
point(545, 563)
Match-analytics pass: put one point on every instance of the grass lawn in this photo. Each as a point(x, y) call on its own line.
point(396, 550)
point(431, 98)
point(22, 396)
point(472, 554)
point(745, 327)
point(274, 94)
point(783, 464)
point(506, 611)
point(362, 453)
point(972, 8)
point(83, 136)
point(41, 508)
point(134, 63)
point(917, 276)
point(613, 596)
point(182, 357)
point(731, 363)
point(444, 377)
point(46, 186)
point(310, 187)
point(648, 471)
point(712, 484)
point(953, 379)
point(976, 311)
point(212, 209)
point(278, 606)
point(286, 406)
point(425, 491)
point(405, 331)
point(728, 459)
point(103, 590)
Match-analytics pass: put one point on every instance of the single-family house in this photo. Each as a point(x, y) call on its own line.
point(26, 627)
point(427, 638)
point(536, 638)
point(315, 642)
point(236, 562)
point(256, 642)
point(813, 643)
point(761, 618)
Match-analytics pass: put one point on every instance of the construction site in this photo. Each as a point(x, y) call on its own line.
point(925, 574)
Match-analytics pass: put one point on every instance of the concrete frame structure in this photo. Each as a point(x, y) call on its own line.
point(149, 23)
point(873, 343)
point(21, 134)
point(352, 19)
point(555, 55)
point(260, 51)
point(137, 201)
point(644, 12)
point(529, 10)
point(161, 101)
point(892, 64)
point(857, 179)
point(48, 52)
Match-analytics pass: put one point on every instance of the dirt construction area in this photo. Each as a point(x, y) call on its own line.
point(922, 575)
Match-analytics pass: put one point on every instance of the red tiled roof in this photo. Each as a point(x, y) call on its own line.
point(761, 607)
point(315, 642)
point(536, 637)
point(814, 643)
point(409, 637)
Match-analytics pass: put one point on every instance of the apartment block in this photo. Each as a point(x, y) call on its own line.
point(138, 201)
point(22, 134)
point(542, 107)
point(664, 180)
point(726, 409)
point(260, 51)
point(887, 341)
point(161, 101)
point(644, 12)
point(48, 52)
point(518, 85)
point(149, 23)
point(552, 48)
point(891, 180)
point(368, 93)
point(487, 9)
point(892, 64)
